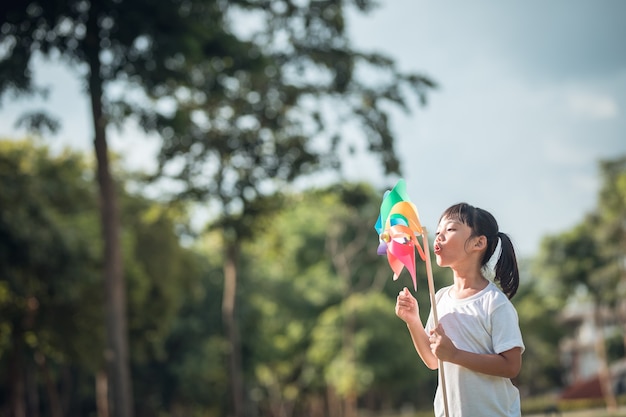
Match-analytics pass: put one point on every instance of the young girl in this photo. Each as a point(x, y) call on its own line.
point(478, 339)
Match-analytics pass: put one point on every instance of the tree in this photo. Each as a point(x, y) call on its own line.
point(590, 256)
point(611, 214)
point(143, 46)
point(49, 256)
point(313, 98)
point(237, 117)
point(320, 331)
point(538, 312)
point(165, 278)
point(51, 320)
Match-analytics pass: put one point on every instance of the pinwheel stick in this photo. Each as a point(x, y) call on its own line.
point(433, 306)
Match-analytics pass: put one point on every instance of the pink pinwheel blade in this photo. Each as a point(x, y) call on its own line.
point(395, 264)
point(405, 254)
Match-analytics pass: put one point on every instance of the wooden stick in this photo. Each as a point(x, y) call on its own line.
point(433, 306)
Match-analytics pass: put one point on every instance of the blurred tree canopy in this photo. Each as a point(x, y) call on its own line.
point(318, 330)
point(49, 258)
point(51, 325)
point(590, 256)
point(246, 96)
point(235, 136)
point(319, 311)
point(137, 46)
point(588, 262)
point(541, 371)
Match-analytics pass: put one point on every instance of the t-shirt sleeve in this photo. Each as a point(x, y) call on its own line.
point(505, 331)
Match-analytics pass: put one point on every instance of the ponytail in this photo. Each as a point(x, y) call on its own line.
point(507, 273)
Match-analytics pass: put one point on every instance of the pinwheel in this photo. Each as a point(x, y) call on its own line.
point(398, 227)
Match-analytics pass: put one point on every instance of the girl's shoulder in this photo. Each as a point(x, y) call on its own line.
point(495, 298)
point(443, 289)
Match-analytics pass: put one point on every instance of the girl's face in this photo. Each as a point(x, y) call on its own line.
point(452, 241)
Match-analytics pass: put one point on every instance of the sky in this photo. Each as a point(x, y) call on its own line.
point(531, 96)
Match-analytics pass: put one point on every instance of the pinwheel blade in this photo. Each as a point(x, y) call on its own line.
point(398, 226)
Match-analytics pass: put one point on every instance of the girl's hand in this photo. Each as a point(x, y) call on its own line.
point(441, 345)
point(407, 307)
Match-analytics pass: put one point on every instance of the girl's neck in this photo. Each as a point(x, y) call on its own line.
point(468, 283)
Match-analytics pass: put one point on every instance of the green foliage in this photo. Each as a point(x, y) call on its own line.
point(51, 289)
point(316, 304)
point(542, 331)
point(49, 254)
point(131, 56)
point(178, 353)
point(191, 374)
point(590, 255)
point(611, 228)
point(246, 133)
point(585, 261)
point(154, 287)
point(239, 119)
point(318, 307)
point(147, 47)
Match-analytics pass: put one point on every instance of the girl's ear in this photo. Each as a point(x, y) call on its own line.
point(481, 242)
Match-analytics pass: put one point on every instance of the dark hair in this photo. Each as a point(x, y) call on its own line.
point(483, 223)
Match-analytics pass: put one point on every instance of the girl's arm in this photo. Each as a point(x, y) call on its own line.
point(408, 310)
point(506, 364)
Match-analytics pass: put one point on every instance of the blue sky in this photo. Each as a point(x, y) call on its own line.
point(532, 95)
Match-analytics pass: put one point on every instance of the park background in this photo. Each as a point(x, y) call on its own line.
point(523, 116)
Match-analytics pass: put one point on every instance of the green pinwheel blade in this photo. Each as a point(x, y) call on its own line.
point(396, 195)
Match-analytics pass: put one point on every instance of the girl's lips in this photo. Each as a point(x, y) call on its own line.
point(436, 249)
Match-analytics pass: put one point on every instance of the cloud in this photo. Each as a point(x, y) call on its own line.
point(592, 106)
point(558, 152)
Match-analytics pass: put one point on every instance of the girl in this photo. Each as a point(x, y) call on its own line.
point(478, 340)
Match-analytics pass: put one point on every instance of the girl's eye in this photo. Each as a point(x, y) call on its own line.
point(451, 230)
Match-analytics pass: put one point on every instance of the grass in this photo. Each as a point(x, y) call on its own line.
point(539, 406)
point(593, 412)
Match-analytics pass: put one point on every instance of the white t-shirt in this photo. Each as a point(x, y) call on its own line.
point(483, 323)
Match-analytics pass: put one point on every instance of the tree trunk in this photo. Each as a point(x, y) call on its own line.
point(232, 326)
point(349, 398)
point(16, 376)
point(32, 390)
point(116, 354)
point(54, 400)
point(102, 395)
point(620, 311)
point(334, 402)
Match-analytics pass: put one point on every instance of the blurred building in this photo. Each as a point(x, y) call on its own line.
point(580, 351)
